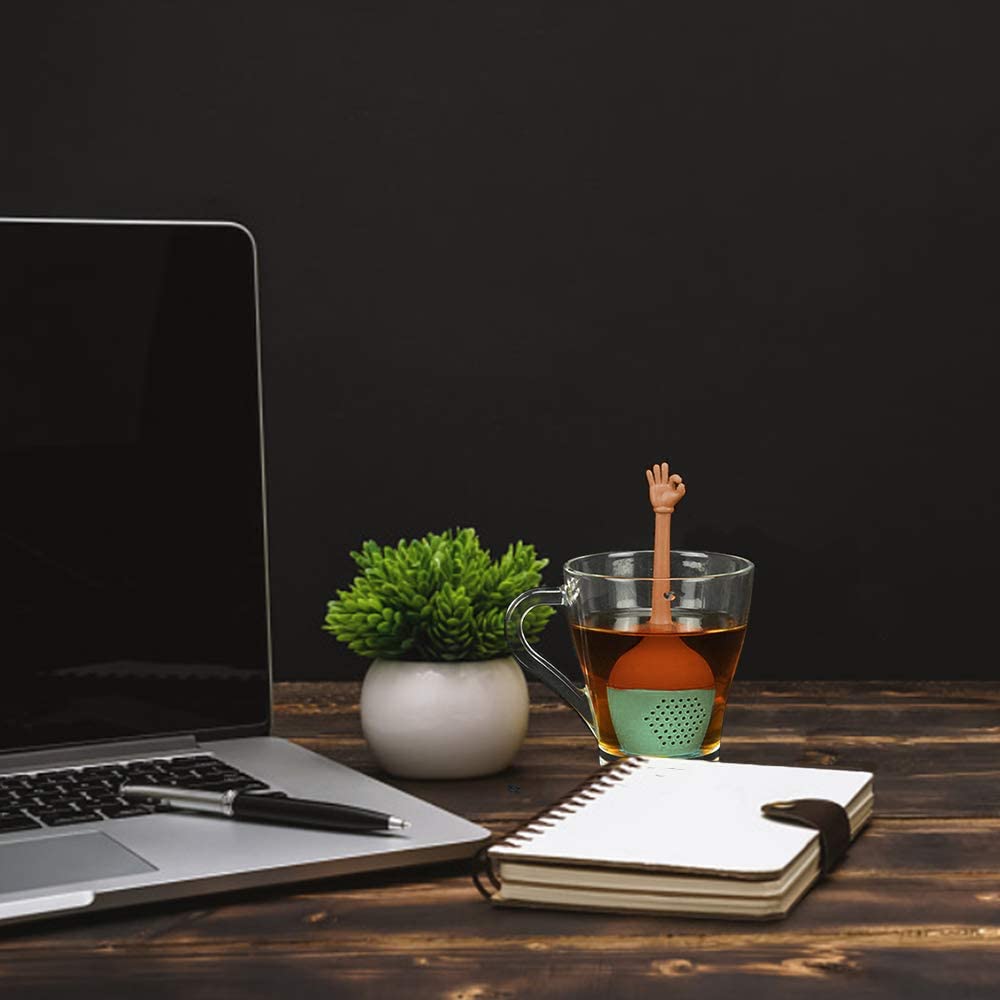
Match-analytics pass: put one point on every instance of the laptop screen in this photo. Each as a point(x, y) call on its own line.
point(132, 551)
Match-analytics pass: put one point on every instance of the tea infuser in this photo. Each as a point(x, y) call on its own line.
point(661, 692)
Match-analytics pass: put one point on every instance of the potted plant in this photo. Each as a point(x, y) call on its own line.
point(441, 699)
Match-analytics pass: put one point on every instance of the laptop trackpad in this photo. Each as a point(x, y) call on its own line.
point(82, 857)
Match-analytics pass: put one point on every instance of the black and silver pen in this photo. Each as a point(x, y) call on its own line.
point(269, 809)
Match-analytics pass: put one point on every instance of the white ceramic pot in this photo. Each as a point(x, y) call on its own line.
point(444, 720)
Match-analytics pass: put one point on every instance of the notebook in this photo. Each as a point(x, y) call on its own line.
point(681, 837)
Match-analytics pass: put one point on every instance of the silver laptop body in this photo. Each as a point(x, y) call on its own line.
point(135, 613)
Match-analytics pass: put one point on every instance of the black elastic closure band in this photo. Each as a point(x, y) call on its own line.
point(830, 818)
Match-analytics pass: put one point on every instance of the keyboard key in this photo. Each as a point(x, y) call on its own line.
point(10, 822)
point(122, 812)
point(51, 814)
point(65, 819)
point(50, 800)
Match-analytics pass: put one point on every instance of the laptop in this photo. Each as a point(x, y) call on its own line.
point(133, 555)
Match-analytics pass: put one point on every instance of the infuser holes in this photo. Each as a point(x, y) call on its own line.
point(663, 722)
point(678, 721)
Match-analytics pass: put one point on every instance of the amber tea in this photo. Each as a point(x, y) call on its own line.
point(671, 700)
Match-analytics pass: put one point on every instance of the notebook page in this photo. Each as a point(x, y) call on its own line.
point(689, 815)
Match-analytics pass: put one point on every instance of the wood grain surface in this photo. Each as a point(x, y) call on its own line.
point(913, 912)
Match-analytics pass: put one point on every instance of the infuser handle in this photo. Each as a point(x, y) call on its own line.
point(533, 662)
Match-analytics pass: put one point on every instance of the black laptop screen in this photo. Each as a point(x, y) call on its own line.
point(131, 506)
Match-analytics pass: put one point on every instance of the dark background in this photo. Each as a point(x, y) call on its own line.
point(513, 253)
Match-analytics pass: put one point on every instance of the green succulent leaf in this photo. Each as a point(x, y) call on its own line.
point(440, 597)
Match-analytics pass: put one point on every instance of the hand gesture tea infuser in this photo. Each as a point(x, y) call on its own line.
point(658, 635)
point(661, 692)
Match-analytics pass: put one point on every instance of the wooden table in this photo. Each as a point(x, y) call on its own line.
point(914, 912)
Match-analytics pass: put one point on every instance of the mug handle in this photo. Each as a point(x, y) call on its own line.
point(535, 664)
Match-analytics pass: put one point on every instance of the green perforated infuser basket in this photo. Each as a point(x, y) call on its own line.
point(661, 723)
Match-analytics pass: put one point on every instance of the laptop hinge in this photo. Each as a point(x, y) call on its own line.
point(96, 752)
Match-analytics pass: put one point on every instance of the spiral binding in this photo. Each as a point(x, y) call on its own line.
point(574, 800)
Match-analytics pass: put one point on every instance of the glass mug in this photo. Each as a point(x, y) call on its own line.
point(651, 690)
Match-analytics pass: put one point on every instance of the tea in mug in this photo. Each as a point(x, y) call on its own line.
point(669, 698)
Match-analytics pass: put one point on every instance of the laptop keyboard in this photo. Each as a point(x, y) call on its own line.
point(90, 794)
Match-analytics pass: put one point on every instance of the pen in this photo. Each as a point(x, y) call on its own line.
point(269, 809)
